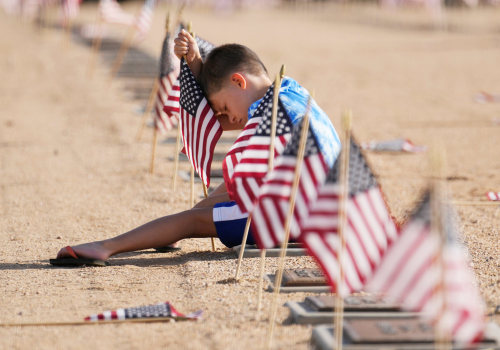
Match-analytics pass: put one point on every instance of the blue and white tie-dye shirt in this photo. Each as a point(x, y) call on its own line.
point(294, 98)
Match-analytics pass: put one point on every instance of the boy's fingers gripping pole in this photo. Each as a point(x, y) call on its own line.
point(205, 192)
point(289, 217)
point(344, 187)
point(274, 113)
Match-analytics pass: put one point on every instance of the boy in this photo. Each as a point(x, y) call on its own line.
point(234, 80)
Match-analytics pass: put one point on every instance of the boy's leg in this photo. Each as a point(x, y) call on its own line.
point(193, 223)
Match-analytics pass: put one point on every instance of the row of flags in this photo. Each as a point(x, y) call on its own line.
point(407, 264)
point(378, 255)
point(109, 11)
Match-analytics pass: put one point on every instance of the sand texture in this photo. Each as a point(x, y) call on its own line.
point(71, 170)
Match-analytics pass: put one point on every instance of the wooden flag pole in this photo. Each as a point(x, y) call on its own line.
point(123, 49)
point(176, 153)
point(274, 112)
point(205, 192)
point(121, 54)
point(154, 90)
point(91, 323)
point(192, 187)
point(437, 158)
point(96, 46)
point(153, 150)
point(289, 217)
point(148, 109)
point(344, 192)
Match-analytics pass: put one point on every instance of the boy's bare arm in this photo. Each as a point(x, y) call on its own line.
point(185, 46)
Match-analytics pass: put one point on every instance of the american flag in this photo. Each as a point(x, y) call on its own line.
point(272, 206)
point(253, 165)
point(199, 127)
point(144, 19)
point(493, 196)
point(171, 103)
point(411, 274)
point(111, 12)
point(168, 76)
point(149, 311)
point(369, 229)
point(234, 154)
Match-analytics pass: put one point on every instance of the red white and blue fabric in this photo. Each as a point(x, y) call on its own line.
point(411, 274)
point(149, 311)
point(234, 154)
point(199, 127)
point(111, 12)
point(369, 228)
point(168, 76)
point(493, 196)
point(144, 19)
point(253, 166)
point(271, 209)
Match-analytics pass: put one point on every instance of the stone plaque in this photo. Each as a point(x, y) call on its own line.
point(303, 277)
point(390, 330)
point(369, 303)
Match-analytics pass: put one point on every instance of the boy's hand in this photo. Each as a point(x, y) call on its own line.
point(185, 46)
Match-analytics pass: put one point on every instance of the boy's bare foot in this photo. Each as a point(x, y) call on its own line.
point(93, 250)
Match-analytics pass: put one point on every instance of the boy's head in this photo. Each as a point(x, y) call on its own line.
point(233, 78)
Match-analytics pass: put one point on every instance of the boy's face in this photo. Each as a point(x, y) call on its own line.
point(230, 105)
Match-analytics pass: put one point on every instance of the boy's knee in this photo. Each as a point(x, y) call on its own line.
point(201, 221)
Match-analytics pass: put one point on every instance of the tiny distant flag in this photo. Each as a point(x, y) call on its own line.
point(369, 228)
point(271, 209)
point(234, 154)
point(411, 274)
point(493, 196)
point(160, 310)
point(111, 12)
point(144, 19)
point(199, 127)
point(396, 145)
point(166, 121)
point(253, 164)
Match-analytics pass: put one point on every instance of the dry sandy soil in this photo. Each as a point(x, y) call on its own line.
point(71, 170)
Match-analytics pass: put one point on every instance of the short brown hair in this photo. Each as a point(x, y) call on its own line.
point(226, 59)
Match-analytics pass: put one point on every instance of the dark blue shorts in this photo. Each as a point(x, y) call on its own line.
point(230, 224)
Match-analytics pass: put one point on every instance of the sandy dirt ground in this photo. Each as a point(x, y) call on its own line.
point(71, 170)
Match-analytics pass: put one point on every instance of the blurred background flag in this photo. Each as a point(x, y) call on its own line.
point(168, 76)
point(271, 209)
point(369, 228)
point(144, 19)
point(253, 164)
point(199, 127)
point(150, 311)
point(110, 11)
point(414, 275)
point(493, 196)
